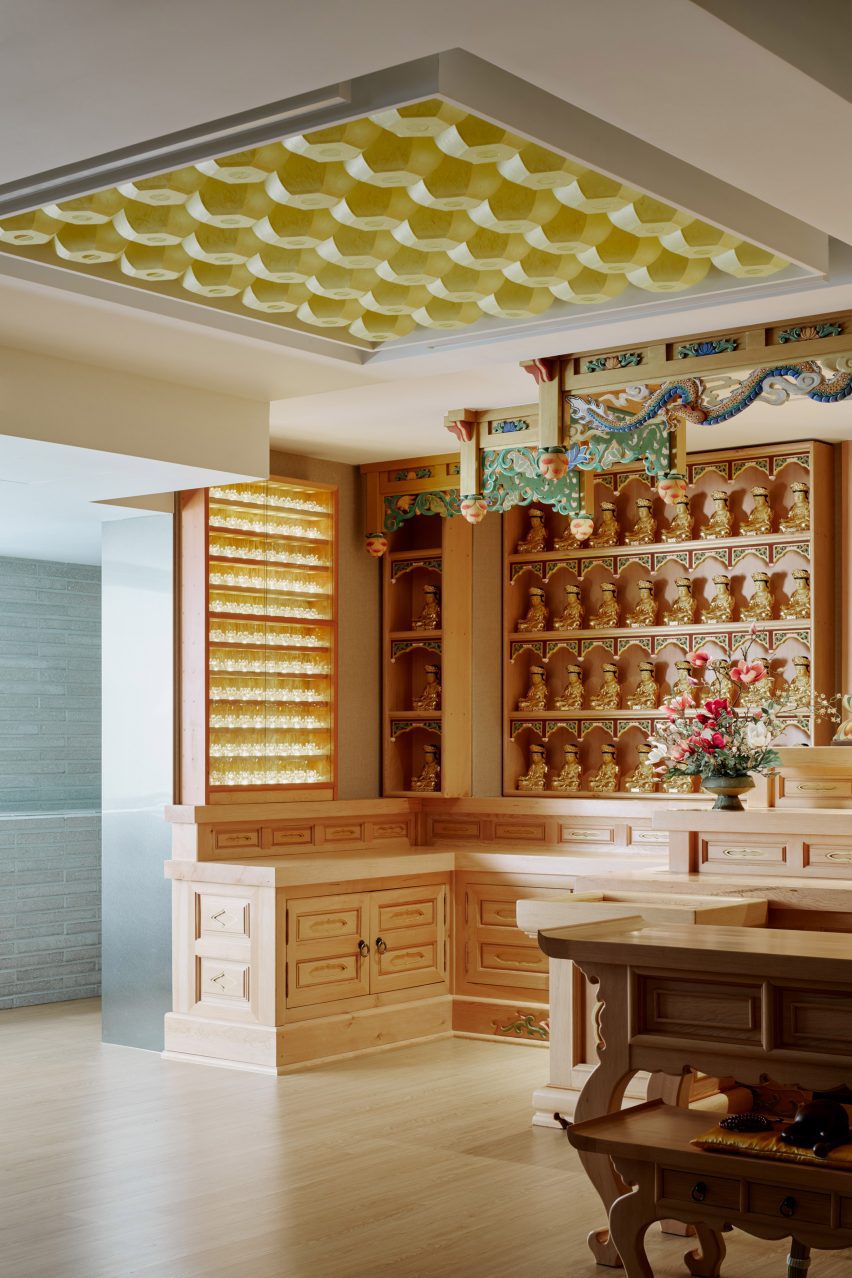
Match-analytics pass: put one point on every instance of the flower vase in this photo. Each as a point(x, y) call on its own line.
point(727, 791)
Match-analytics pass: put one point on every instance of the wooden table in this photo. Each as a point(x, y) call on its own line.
point(650, 1148)
point(750, 1003)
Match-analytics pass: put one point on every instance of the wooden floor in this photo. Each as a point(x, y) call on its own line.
point(415, 1163)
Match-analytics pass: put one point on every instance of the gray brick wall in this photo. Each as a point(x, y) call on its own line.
point(50, 729)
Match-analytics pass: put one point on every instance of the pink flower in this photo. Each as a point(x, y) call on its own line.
point(753, 628)
point(748, 671)
point(718, 741)
point(757, 714)
point(699, 659)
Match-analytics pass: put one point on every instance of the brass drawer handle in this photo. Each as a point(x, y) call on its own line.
point(699, 1192)
point(363, 948)
point(381, 945)
point(788, 1207)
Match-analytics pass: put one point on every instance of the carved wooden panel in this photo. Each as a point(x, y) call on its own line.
point(324, 954)
point(814, 1021)
point(291, 836)
point(230, 838)
point(223, 981)
point(683, 1006)
point(222, 915)
point(408, 931)
point(734, 850)
point(586, 833)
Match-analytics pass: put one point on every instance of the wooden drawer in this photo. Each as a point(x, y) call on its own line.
point(694, 1187)
point(350, 833)
point(289, 836)
point(222, 915)
point(586, 833)
point(518, 832)
point(496, 951)
point(800, 1204)
point(224, 839)
point(846, 1213)
point(325, 918)
point(835, 855)
point(501, 963)
point(319, 980)
point(408, 937)
point(817, 1021)
point(814, 787)
point(742, 852)
point(404, 966)
point(223, 981)
point(407, 907)
point(718, 1011)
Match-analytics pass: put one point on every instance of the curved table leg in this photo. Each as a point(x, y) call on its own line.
point(629, 1218)
point(706, 1262)
point(673, 1089)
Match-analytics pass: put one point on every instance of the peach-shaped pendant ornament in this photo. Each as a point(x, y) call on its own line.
point(582, 526)
point(671, 486)
point(377, 544)
point(473, 508)
point(552, 462)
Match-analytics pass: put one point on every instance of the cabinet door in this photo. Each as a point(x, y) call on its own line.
point(496, 951)
point(408, 937)
point(324, 961)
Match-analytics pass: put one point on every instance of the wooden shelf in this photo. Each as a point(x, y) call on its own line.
point(415, 634)
point(710, 627)
point(701, 543)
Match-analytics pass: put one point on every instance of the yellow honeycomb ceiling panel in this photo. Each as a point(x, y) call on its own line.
point(417, 217)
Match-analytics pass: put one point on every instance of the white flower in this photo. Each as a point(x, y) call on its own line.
point(758, 735)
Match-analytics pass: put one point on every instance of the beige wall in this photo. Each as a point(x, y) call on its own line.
point(359, 617)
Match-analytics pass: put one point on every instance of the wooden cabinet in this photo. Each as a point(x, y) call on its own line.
point(257, 643)
point(355, 944)
point(580, 674)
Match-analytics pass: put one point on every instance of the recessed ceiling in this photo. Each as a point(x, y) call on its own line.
point(419, 217)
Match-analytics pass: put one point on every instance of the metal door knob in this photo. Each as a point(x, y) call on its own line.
point(363, 949)
point(699, 1192)
point(381, 945)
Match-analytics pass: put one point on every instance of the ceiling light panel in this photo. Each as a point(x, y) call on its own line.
point(418, 217)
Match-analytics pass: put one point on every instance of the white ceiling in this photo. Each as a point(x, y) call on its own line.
point(669, 72)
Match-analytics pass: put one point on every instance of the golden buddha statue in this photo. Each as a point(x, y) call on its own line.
point(571, 617)
point(753, 695)
point(644, 531)
point(721, 606)
point(645, 695)
point(429, 777)
point(682, 611)
point(799, 687)
point(723, 684)
point(571, 697)
point(536, 539)
point(608, 695)
point(798, 517)
point(536, 777)
point(759, 606)
point(568, 780)
point(645, 612)
point(605, 780)
point(759, 522)
point(681, 686)
point(566, 540)
point(537, 614)
point(643, 779)
point(607, 531)
point(678, 784)
point(430, 615)
point(720, 523)
point(430, 697)
point(606, 618)
point(798, 606)
point(680, 528)
point(536, 695)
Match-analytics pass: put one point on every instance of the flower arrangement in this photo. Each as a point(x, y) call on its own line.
point(722, 738)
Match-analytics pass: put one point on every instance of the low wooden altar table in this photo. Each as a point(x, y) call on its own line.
point(750, 1003)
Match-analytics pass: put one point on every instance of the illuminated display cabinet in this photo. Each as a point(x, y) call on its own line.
point(258, 623)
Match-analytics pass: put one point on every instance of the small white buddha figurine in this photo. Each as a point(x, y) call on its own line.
point(798, 606)
point(798, 517)
point(680, 528)
point(759, 522)
point(643, 779)
point(721, 606)
point(571, 617)
point(645, 695)
point(536, 539)
point(429, 777)
point(720, 522)
point(760, 606)
point(536, 777)
point(430, 615)
point(606, 618)
point(645, 612)
point(607, 531)
point(644, 530)
point(537, 614)
point(605, 780)
point(681, 686)
point(430, 697)
point(799, 687)
point(571, 697)
point(536, 694)
point(608, 695)
point(568, 780)
point(682, 611)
